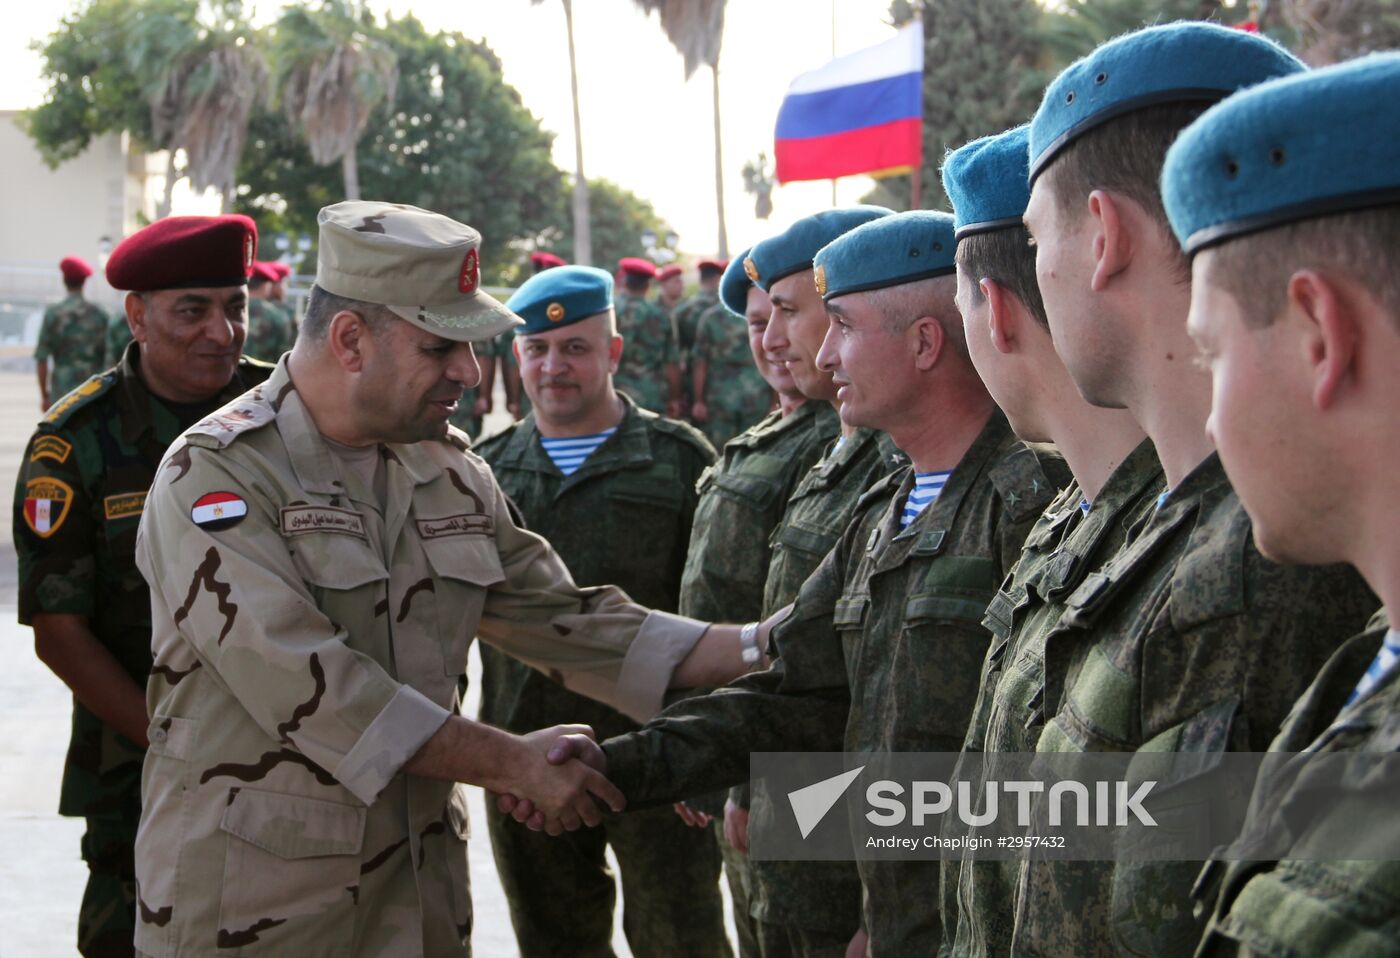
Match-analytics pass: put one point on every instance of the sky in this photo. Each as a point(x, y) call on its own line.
point(644, 126)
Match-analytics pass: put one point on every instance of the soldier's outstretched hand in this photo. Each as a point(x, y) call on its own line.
point(569, 749)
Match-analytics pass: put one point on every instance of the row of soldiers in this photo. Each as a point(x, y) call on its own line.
point(919, 569)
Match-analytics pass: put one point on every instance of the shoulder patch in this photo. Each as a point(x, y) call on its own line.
point(46, 504)
point(49, 446)
point(218, 510)
point(684, 431)
point(1028, 478)
point(63, 410)
point(223, 427)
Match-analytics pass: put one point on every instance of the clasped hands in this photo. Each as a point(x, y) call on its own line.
point(568, 790)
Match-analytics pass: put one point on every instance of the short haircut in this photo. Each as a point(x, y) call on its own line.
point(710, 272)
point(322, 306)
point(74, 287)
point(900, 306)
point(1362, 245)
point(257, 282)
point(1006, 257)
point(1125, 155)
point(635, 282)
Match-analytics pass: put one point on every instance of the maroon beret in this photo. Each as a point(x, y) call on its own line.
point(637, 266)
point(543, 260)
point(75, 269)
point(667, 272)
point(267, 271)
point(185, 252)
point(282, 270)
point(713, 265)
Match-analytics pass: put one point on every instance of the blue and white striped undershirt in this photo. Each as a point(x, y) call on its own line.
point(569, 454)
point(927, 486)
point(1385, 660)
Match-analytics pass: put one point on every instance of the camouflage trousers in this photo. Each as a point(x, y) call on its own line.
point(790, 941)
point(740, 878)
point(107, 917)
point(562, 894)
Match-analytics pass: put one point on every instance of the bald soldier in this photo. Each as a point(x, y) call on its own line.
point(81, 491)
point(1296, 309)
point(321, 552)
point(71, 337)
point(612, 487)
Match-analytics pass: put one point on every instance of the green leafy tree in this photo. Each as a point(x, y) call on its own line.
point(457, 140)
point(619, 217)
point(1330, 31)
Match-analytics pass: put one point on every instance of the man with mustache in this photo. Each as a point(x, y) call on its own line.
point(80, 495)
point(612, 487)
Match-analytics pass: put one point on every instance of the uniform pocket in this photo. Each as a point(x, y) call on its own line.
point(464, 567)
point(291, 874)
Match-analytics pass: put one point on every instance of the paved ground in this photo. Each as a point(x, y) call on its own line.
point(41, 875)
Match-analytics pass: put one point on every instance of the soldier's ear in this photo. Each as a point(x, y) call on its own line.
point(346, 336)
point(614, 352)
point(135, 307)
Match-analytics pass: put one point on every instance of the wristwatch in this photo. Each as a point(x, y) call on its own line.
point(749, 651)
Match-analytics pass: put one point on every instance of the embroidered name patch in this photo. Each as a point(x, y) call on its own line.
point(465, 524)
point(124, 504)
point(218, 510)
point(50, 447)
point(46, 503)
point(296, 520)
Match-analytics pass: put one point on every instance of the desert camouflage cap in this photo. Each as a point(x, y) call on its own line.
point(423, 266)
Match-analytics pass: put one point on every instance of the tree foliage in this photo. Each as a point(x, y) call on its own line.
point(1330, 31)
point(618, 219)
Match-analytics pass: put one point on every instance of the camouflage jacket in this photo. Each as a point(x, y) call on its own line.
point(270, 331)
point(685, 318)
point(817, 895)
point(735, 392)
point(72, 334)
point(1063, 548)
point(881, 653)
point(307, 642)
point(1343, 907)
point(742, 498)
point(1187, 640)
point(624, 517)
point(117, 338)
point(81, 490)
point(647, 348)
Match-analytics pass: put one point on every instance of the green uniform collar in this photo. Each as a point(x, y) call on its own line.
point(135, 401)
point(629, 446)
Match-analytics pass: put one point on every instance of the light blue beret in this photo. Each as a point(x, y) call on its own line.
point(1174, 63)
point(988, 183)
point(1321, 142)
point(791, 251)
point(561, 296)
point(734, 286)
point(890, 251)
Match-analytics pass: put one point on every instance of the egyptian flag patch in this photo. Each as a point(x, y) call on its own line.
point(46, 503)
point(218, 510)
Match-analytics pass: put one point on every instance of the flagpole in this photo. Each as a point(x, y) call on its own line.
point(833, 56)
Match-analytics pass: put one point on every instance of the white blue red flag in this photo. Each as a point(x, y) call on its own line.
point(861, 113)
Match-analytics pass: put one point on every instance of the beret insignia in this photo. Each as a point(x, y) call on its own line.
point(554, 312)
point(820, 277)
point(750, 270)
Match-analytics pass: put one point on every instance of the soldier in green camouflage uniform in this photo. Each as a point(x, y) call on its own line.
point(649, 370)
point(721, 356)
point(1188, 639)
point(624, 517)
point(1115, 469)
point(685, 321)
point(1293, 299)
point(80, 495)
point(502, 348)
point(270, 329)
point(117, 337)
point(72, 334)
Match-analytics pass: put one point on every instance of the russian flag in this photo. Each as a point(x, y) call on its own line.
point(860, 113)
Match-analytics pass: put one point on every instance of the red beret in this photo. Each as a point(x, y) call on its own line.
point(185, 252)
point(713, 265)
point(282, 270)
point(75, 269)
point(637, 266)
point(543, 260)
point(267, 271)
point(667, 272)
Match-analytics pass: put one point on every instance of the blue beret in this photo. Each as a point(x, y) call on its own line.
point(1174, 63)
point(734, 286)
point(1321, 142)
point(561, 296)
point(887, 252)
point(791, 251)
point(988, 183)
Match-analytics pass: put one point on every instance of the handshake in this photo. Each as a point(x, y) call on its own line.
point(561, 784)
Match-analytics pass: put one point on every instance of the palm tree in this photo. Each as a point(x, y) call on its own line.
point(695, 28)
point(583, 233)
point(331, 74)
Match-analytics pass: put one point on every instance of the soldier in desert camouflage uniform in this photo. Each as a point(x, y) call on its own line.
point(321, 553)
point(1188, 638)
point(72, 334)
point(80, 495)
point(622, 514)
point(1296, 292)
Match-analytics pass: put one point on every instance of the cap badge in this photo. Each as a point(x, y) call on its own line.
point(820, 277)
point(471, 272)
point(750, 270)
point(554, 312)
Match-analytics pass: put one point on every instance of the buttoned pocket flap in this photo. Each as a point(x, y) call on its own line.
point(651, 490)
point(171, 736)
point(334, 560)
point(752, 490)
point(294, 826)
point(850, 611)
point(801, 539)
point(955, 587)
point(470, 559)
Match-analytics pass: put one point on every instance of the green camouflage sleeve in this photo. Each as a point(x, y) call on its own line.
point(44, 348)
point(118, 335)
point(54, 528)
